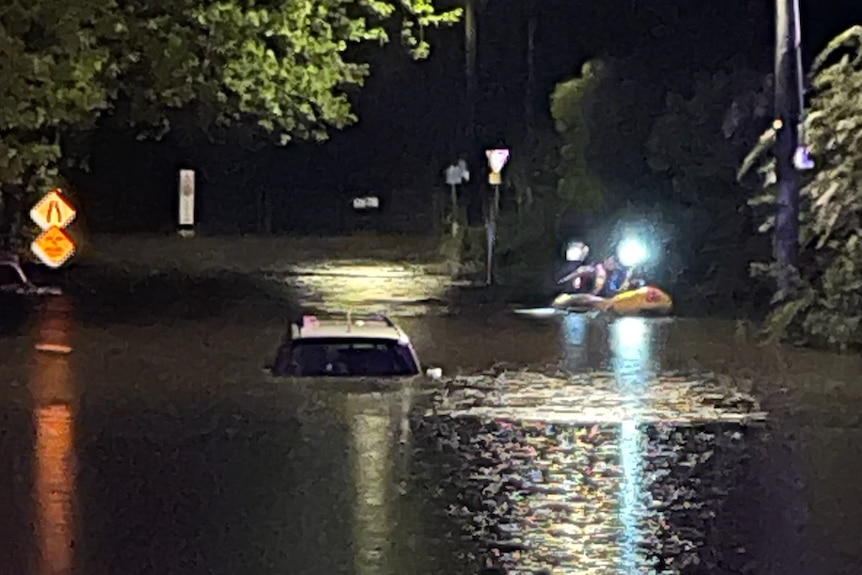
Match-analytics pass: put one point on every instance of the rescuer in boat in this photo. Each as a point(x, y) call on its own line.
point(610, 277)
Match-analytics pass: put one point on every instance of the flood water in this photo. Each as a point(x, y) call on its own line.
point(158, 446)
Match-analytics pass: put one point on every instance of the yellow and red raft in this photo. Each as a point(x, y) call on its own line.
point(646, 300)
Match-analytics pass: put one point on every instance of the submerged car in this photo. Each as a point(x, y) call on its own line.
point(351, 346)
point(18, 293)
point(15, 280)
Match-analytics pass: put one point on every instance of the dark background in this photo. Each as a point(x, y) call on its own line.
point(410, 113)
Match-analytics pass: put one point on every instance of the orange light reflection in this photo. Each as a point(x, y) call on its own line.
point(55, 488)
point(54, 482)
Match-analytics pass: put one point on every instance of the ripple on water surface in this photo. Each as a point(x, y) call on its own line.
point(574, 475)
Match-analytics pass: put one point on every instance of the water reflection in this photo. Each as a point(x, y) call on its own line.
point(379, 287)
point(631, 339)
point(54, 485)
point(588, 472)
point(574, 330)
point(373, 420)
point(584, 499)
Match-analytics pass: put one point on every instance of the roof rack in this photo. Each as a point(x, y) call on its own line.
point(349, 317)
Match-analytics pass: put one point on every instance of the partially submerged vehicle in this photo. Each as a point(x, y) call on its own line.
point(19, 293)
point(15, 280)
point(350, 346)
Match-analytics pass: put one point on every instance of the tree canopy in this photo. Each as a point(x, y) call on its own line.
point(696, 143)
point(577, 184)
point(286, 65)
point(829, 308)
point(57, 74)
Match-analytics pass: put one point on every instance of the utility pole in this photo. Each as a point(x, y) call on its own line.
point(788, 112)
point(529, 104)
point(470, 30)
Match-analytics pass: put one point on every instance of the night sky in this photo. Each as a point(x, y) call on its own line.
point(409, 111)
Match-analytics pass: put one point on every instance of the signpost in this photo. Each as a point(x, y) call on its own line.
point(53, 214)
point(497, 160)
point(456, 174)
point(187, 203)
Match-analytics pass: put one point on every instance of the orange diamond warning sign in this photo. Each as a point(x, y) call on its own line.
point(53, 211)
point(54, 247)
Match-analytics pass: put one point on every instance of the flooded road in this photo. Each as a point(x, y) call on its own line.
point(158, 446)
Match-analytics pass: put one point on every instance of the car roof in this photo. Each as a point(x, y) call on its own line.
point(354, 327)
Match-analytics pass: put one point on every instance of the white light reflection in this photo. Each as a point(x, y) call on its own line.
point(575, 328)
point(633, 365)
point(55, 462)
point(371, 437)
point(631, 493)
point(336, 286)
point(631, 346)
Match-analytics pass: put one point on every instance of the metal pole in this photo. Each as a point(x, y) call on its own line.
point(492, 235)
point(788, 110)
point(489, 262)
point(454, 199)
point(470, 32)
point(531, 72)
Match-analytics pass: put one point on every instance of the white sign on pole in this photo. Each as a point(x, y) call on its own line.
point(465, 173)
point(366, 203)
point(457, 174)
point(187, 198)
point(497, 160)
point(453, 176)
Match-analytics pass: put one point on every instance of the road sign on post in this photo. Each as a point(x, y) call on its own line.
point(53, 247)
point(456, 175)
point(53, 211)
point(497, 160)
point(52, 214)
point(187, 203)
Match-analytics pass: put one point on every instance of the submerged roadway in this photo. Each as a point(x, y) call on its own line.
point(158, 447)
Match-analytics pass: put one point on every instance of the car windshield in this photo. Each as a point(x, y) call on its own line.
point(342, 357)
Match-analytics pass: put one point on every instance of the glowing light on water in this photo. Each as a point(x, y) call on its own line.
point(579, 439)
point(373, 287)
point(631, 494)
point(55, 488)
point(52, 392)
point(631, 345)
point(575, 327)
point(631, 339)
point(371, 426)
point(574, 330)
